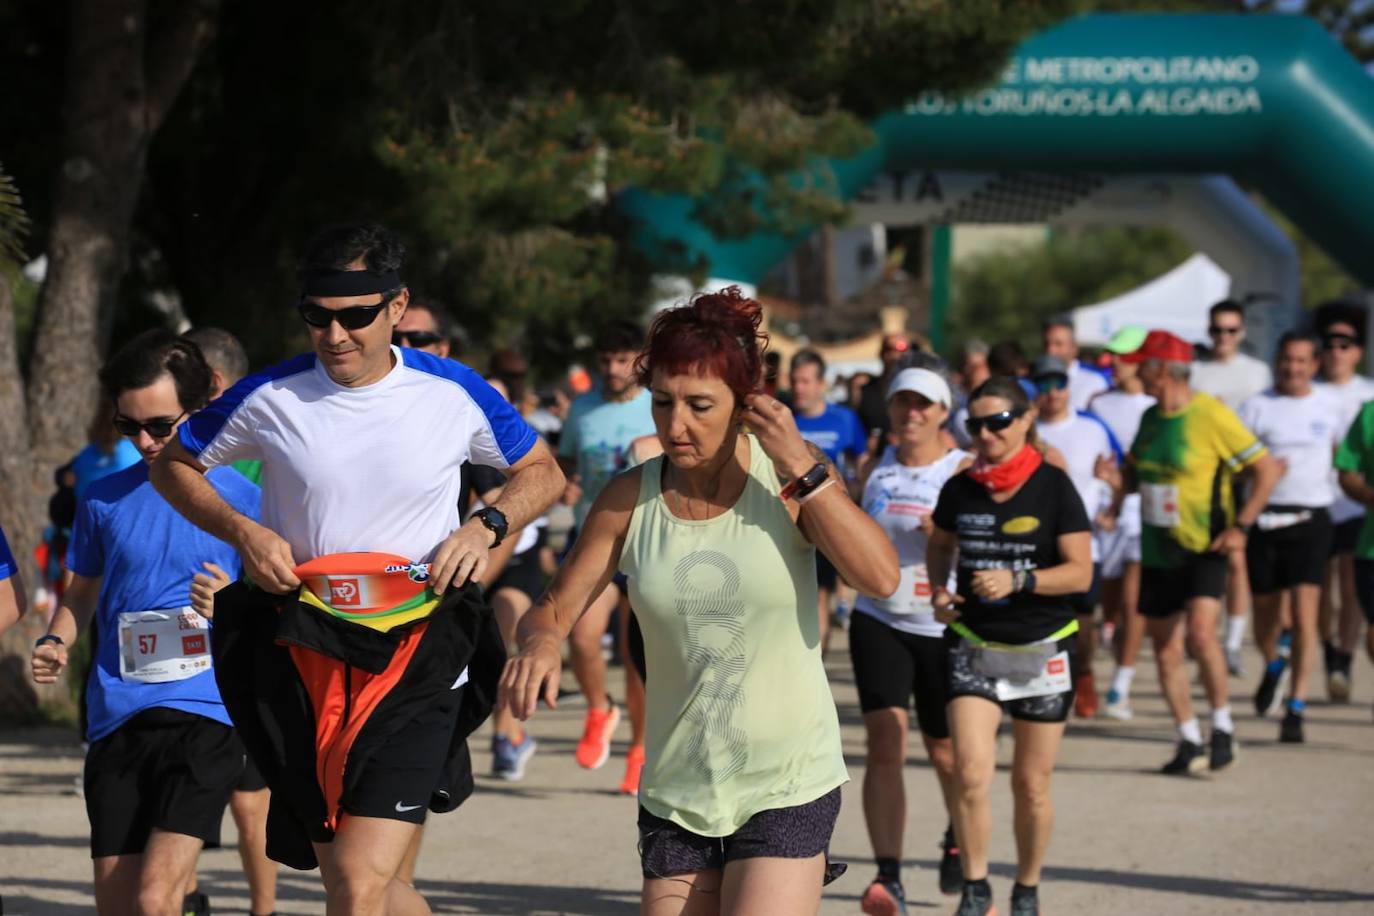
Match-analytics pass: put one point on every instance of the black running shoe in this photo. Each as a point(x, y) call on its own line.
point(1223, 750)
point(1189, 759)
point(1025, 901)
point(951, 867)
point(1290, 730)
point(976, 901)
point(196, 904)
point(1267, 695)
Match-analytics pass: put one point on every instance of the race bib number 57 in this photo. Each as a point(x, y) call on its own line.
point(156, 647)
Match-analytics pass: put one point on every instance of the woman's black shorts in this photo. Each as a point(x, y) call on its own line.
point(893, 668)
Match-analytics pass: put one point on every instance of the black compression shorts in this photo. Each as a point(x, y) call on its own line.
point(892, 668)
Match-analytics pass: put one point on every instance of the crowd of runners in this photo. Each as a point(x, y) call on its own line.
point(307, 587)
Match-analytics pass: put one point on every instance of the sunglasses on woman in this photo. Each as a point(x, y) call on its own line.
point(1339, 342)
point(353, 318)
point(158, 427)
point(993, 422)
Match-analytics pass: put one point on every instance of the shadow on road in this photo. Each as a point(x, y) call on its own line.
point(524, 899)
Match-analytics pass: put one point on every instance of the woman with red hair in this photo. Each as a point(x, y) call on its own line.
point(740, 789)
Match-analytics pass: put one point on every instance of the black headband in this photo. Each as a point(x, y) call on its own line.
point(331, 283)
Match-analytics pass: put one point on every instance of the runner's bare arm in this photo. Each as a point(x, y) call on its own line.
point(939, 561)
point(1075, 573)
point(1265, 474)
point(535, 671)
point(180, 479)
point(532, 485)
point(70, 618)
point(1356, 487)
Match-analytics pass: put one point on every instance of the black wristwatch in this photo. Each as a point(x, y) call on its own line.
point(496, 523)
point(807, 482)
point(48, 638)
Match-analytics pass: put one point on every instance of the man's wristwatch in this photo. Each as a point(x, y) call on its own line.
point(496, 523)
point(1244, 527)
point(48, 638)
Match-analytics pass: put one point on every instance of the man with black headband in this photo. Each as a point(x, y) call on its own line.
point(362, 445)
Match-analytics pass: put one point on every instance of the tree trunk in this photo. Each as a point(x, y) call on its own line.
point(121, 80)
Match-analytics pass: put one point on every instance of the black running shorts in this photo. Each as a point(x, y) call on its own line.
point(398, 779)
point(798, 832)
point(252, 779)
point(965, 682)
point(1285, 557)
point(523, 573)
point(163, 769)
point(1346, 535)
point(1166, 591)
point(891, 668)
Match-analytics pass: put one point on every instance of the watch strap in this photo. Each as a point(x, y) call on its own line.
point(807, 482)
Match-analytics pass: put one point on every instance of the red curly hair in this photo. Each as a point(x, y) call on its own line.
point(715, 334)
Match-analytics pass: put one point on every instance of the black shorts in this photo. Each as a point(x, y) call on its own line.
point(163, 769)
point(826, 574)
point(523, 573)
point(1084, 604)
point(1166, 590)
point(252, 779)
point(798, 832)
point(1346, 535)
point(1364, 587)
point(891, 667)
point(964, 682)
point(402, 775)
point(1285, 557)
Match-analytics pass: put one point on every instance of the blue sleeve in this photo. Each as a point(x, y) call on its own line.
point(216, 421)
point(1117, 450)
point(85, 553)
point(503, 438)
point(7, 564)
point(857, 433)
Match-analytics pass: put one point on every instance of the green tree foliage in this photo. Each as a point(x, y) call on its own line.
point(494, 137)
point(1005, 295)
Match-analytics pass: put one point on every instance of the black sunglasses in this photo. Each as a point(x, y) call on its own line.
point(994, 422)
point(1339, 342)
point(1217, 329)
point(417, 339)
point(352, 318)
point(159, 428)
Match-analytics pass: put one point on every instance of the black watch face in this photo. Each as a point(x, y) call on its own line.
point(495, 519)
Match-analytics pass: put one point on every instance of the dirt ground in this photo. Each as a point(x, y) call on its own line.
point(1289, 829)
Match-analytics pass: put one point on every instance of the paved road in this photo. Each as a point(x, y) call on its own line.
point(1290, 829)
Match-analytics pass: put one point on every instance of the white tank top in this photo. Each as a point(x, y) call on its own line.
point(899, 497)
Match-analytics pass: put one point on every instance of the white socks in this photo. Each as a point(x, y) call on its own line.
point(1221, 720)
point(1190, 731)
point(1235, 633)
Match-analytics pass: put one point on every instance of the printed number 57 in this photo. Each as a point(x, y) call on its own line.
point(147, 645)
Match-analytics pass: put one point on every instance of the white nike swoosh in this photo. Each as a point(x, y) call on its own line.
point(402, 809)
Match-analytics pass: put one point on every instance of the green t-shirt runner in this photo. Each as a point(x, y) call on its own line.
point(1356, 454)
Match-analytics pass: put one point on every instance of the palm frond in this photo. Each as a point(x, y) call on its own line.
point(14, 222)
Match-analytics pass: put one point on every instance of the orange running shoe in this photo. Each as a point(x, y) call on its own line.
point(634, 763)
point(1085, 699)
point(595, 745)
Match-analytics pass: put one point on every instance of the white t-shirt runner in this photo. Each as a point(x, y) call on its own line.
point(899, 497)
point(1084, 385)
point(1234, 381)
point(1082, 438)
point(1121, 411)
point(374, 468)
point(1303, 432)
point(1351, 396)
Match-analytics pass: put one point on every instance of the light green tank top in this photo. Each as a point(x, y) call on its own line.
point(740, 715)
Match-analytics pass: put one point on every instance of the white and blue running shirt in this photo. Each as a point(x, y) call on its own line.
point(374, 468)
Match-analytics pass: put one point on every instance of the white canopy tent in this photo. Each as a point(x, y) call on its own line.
point(1176, 301)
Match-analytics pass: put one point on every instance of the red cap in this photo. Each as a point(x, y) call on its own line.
point(1164, 346)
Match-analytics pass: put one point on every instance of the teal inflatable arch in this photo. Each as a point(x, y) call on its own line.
point(1271, 100)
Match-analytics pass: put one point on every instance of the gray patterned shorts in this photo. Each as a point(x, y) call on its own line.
point(964, 682)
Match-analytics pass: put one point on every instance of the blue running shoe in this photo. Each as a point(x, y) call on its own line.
point(508, 760)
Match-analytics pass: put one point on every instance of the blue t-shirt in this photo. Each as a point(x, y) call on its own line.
point(837, 432)
point(7, 564)
point(597, 434)
point(146, 553)
point(91, 464)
